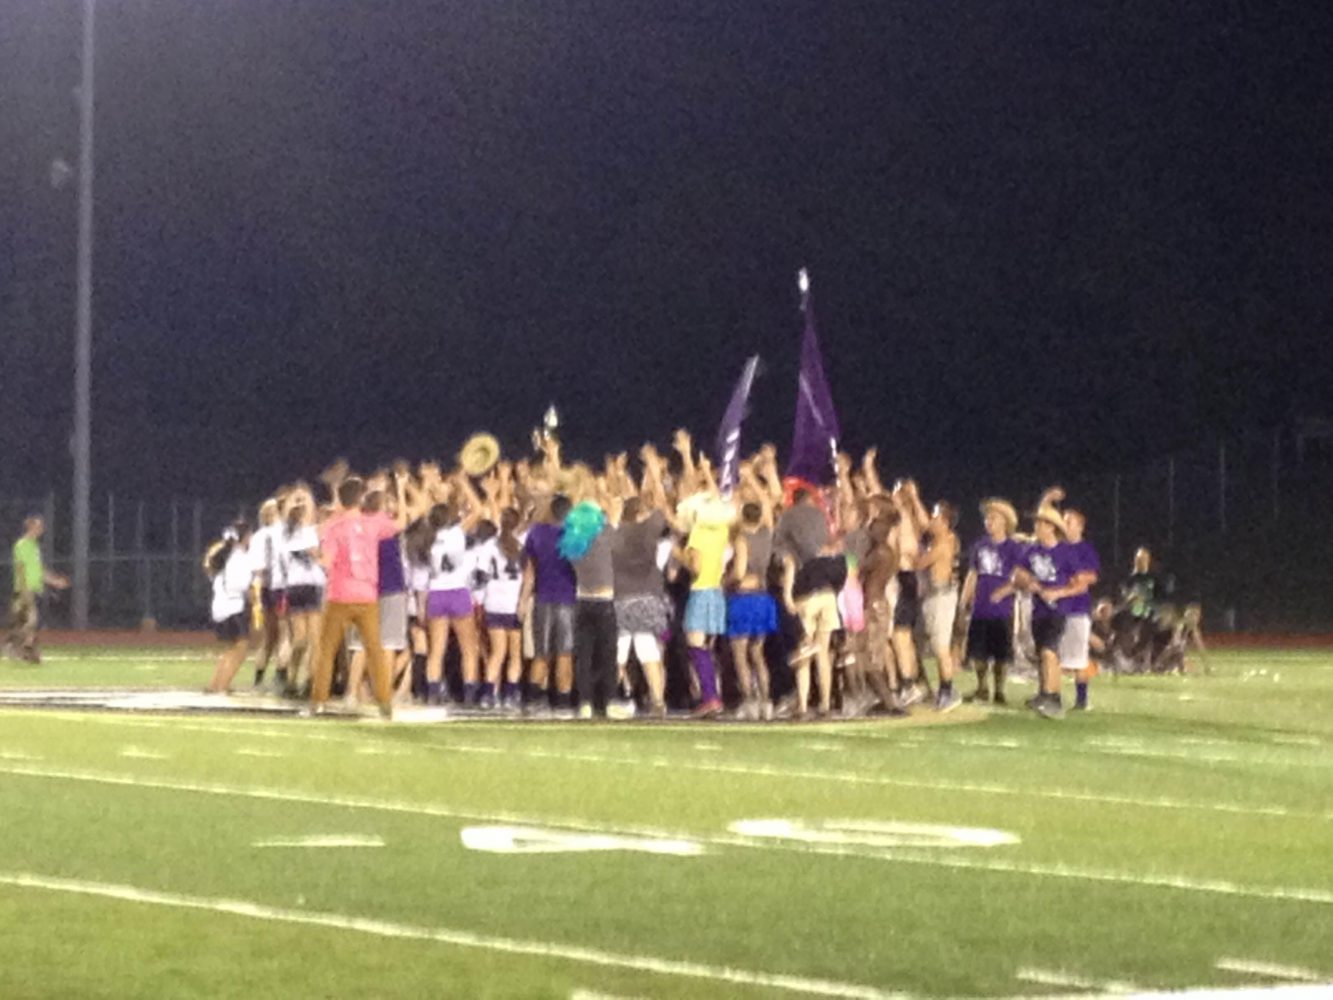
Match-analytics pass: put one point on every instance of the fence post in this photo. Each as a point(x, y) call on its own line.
point(1170, 501)
point(109, 578)
point(140, 560)
point(1115, 518)
point(1277, 467)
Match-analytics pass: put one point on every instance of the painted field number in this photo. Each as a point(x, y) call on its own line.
point(545, 840)
point(872, 833)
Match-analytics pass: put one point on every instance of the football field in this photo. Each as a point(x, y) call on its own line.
point(1175, 838)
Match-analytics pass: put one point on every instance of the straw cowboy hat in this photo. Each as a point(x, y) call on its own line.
point(1052, 516)
point(1005, 509)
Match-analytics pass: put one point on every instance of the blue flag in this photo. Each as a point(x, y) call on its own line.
point(729, 432)
point(814, 446)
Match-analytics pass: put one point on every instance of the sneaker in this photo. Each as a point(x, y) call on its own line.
point(1034, 701)
point(658, 710)
point(766, 711)
point(1000, 698)
point(486, 702)
point(980, 694)
point(947, 701)
point(1051, 708)
point(585, 711)
point(909, 696)
point(708, 710)
point(621, 709)
point(1081, 706)
point(386, 711)
point(30, 654)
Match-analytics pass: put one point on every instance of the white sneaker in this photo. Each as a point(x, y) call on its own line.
point(585, 711)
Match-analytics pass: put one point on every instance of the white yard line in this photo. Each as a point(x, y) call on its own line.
point(1269, 969)
point(1046, 977)
point(255, 752)
point(304, 730)
point(322, 840)
point(450, 936)
point(1210, 886)
point(138, 753)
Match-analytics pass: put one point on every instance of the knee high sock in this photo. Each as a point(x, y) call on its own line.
point(703, 666)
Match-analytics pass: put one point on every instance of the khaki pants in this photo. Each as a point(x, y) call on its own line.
point(366, 618)
point(24, 619)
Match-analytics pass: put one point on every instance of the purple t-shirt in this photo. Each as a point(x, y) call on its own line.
point(1053, 567)
point(555, 575)
point(392, 578)
point(994, 563)
point(1085, 560)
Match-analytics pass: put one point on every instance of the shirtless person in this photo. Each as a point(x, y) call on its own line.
point(872, 649)
point(938, 566)
point(752, 614)
point(906, 540)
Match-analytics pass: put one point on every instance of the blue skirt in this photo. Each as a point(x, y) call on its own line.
point(751, 615)
point(706, 612)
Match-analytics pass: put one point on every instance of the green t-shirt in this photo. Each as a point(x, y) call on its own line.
point(28, 567)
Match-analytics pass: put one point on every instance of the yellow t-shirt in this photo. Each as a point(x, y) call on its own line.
point(710, 542)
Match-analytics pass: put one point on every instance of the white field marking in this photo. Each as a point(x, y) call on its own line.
point(1047, 977)
point(544, 840)
point(287, 729)
point(450, 936)
point(1285, 992)
point(139, 753)
point(1269, 969)
point(255, 752)
point(858, 778)
point(17, 755)
point(594, 995)
point(697, 746)
point(873, 833)
point(202, 657)
point(823, 747)
point(1298, 894)
point(322, 840)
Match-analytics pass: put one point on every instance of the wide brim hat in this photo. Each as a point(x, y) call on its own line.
point(1052, 516)
point(1004, 508)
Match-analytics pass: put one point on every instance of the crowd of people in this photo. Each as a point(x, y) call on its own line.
point(541, 587)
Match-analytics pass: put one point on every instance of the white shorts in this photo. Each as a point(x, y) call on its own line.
point(393, 625)
point(939, 609)
point(646, 647)
point(1074, 642)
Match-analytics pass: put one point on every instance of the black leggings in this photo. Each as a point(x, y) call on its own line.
point(595, 652)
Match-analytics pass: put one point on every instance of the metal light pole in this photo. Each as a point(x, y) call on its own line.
point(81, 445)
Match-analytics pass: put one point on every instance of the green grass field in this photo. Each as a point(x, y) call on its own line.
point(1177, 837)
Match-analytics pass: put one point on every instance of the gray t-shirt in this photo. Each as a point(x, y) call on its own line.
point(634, 556)
point(801, 533)
point(594, 571)
point(759, 552)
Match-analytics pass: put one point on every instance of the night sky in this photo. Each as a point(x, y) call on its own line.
point(1042, 234)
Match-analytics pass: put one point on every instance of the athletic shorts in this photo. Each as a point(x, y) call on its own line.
point(938, 609)
point(872, 644)
point(819, 614)
point(393, 625)
point(852, 606)
point(1046, 632)
point(1074, 642)
point(645, 645)
point(990, 639)
point(273, 599)
point(451, 604)
point(500, 620)
point(233, 628)
point(552, 630)
point(306, 597)
point(751, 615)
point(908, 605)
point(706, 612)
point(642, 613)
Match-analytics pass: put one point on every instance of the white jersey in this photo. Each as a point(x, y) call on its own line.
point(266, 555)
point(300, 558)
point(450, 567)
point(504, 578)
point(232, 584)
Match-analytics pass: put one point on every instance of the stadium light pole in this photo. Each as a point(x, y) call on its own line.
point(81, 443)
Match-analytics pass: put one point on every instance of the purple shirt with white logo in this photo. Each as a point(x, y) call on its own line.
point(555, 576)
point(1051, 568)
point(994, 563)
point(1085, 560)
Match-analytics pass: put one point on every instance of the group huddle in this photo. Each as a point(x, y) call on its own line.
point(549, 588)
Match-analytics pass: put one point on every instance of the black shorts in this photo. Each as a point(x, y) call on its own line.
point(304, 598)
point(233, 628)
point(990, 639)
point(907, 608)
point(271, 599)
point(1046, 632)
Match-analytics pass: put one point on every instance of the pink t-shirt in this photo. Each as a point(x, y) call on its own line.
point(351, 543)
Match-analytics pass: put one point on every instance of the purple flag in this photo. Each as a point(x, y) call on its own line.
point(729, 432)
point(814, 445)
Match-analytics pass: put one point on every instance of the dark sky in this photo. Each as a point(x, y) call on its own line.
point(1042, 233)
